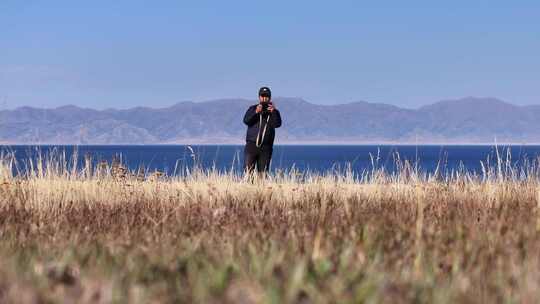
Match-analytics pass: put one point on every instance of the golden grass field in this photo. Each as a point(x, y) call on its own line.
point(104, 235)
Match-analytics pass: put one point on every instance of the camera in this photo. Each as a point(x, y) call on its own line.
point(265, 107)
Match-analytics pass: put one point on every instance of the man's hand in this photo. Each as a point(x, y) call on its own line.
point(258, 109)
point(271, 108)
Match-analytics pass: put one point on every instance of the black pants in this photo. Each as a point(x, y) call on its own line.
point(257, 156)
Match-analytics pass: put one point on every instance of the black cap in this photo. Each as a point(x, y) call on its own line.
point(265, 91)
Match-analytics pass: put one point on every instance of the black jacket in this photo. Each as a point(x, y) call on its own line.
point(253, 120)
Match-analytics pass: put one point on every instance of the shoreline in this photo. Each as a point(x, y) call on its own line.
point(322, 143)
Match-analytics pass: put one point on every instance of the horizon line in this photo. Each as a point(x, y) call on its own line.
point(476, 98)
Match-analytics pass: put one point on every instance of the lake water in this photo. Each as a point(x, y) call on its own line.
point(174, 159)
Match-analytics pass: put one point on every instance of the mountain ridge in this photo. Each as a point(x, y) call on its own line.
point(466, 120)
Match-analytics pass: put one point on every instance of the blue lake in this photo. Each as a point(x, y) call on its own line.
point(174, 159)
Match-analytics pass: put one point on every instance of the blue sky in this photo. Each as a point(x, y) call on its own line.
point(155, 53)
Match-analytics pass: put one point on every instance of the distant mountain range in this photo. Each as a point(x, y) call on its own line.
point(467, 120)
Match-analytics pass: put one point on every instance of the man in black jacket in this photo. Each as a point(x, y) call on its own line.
point(262, 119)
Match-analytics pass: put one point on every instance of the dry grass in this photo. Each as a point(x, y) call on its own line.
point(94, 236)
